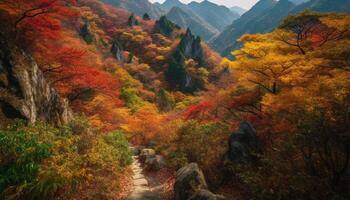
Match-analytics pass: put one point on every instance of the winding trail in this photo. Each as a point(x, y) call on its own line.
point(141, 189)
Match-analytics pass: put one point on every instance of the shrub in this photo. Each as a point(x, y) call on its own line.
point(41, 162)
point(204, 144)
point(21, 154)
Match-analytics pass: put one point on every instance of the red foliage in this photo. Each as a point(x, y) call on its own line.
point(195, 110)
point(81, 77)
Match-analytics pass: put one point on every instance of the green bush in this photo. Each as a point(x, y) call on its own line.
point(41, 162)
point(21, 154)
point(119, 142)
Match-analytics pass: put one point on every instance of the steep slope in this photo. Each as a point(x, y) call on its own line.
point(186, 18)
point(297, 2)
point(252, 22)
point(265, 23)
point(271, 19)
point(139, 7)
point(238, 10)
point(217, 16)
point(25, 93)
point(229, 36)
point(325, 6)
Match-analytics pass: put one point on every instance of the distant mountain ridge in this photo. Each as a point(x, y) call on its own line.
point(217, 16)
point(238, 10)
point(139, 7)
point(228, 37)
point(266, 15)
point(206, 19)
point(169, 4)
point(187, 19)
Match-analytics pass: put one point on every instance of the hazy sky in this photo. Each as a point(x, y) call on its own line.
point(242, 3)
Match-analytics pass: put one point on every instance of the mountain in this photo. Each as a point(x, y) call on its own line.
point(217, 16)
point(169, 4)
point(225, 40)
point(297, 2)
point(271, 19)
point(324, 6)
point(239, 10)
point(187, 19)
point(139, 7)
point(266, 15)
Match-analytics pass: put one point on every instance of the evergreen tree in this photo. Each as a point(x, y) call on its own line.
point(146, 17)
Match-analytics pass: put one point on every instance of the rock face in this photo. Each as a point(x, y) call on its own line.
point(189, 180)
point(207, 195)
point(191, 47)
point(116, 50)
point(24, 92)
point(243, 144)
point(177, 75)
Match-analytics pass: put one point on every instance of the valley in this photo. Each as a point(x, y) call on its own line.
point(174, 100)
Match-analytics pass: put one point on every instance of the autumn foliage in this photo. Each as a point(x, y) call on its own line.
point(292, 84)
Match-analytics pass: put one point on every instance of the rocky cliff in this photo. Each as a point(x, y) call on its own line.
point(191, 47)
point(24, 92)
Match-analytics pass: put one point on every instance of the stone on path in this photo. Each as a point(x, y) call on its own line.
point(141, 190)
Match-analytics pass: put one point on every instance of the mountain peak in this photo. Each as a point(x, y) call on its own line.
point(239, 10)
point(169, 4)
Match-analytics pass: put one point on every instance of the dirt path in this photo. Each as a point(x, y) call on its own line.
point(141, 189)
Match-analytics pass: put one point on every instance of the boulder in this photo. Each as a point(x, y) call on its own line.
point(154, 163)
point(243, 144)
point(207, 195)
point(189, 180)
point(147, 153)
point(136, 150)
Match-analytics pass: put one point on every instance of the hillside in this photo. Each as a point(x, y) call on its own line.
point(325, 6)
point(186, 18)
point(225, 40)
point(253, 22)
point(217, 16)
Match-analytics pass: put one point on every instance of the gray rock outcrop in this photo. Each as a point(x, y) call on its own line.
point(24, 92)
point(189, 180)
point(243, 144)
point(190, 46)
point(190, 184)
point(85, 33)
point(116, 50)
